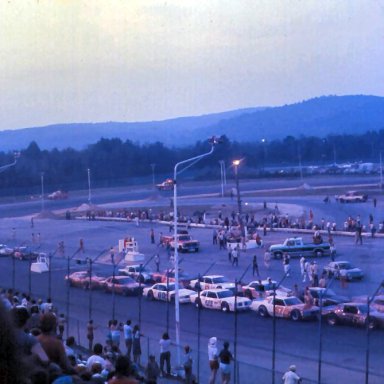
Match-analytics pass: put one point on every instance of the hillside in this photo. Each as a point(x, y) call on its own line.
point(317, 117)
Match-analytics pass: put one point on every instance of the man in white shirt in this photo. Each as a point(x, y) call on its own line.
point(127, 329)
point(291, 377)
point(96, 357)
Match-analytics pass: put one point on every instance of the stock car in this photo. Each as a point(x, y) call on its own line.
point(286, 307)
point(123, 285)
point(5, 250)
point(343, 269)
point(262, 288)
point(80, 279)
point(352, 197)
point(137, 272)
point(25, 253)
point(329, 297)
point(212, 282)
point(355, 314)
point(169, 274)
point(222, 299)
point(377, 303)
point(161, 291)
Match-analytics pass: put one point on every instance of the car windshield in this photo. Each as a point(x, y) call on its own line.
point(126, 280)
point(292, 301)
point(363, 309)
point(172, 286)
point(184, 237)
point(220, 279)
point(224, 294)
point(346, 266)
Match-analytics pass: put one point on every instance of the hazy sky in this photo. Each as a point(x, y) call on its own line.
point(140, 60)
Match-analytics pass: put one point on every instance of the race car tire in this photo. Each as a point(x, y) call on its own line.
point(319, 253)
point(150, 295)
point(196, 250)
point(263, 312)
point(278, 255)
point(295, 315)
point(225, 307)
point(172, 299)
point(332, 320)
point(85, 286)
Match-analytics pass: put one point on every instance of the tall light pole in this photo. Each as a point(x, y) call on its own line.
point(89, 186)
point(42, 191)
point(264, 145)
point(153, 165)
point(213, 141)
point(236, 164)
point(223, 178)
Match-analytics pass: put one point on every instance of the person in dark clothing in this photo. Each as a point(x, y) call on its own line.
point(225, 357)
point(255, 267)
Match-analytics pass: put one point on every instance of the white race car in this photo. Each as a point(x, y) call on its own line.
point(222, 299)
point(287, 307)
point(160, 291)
point(211, 282)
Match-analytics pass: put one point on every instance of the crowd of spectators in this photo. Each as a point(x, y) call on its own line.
point(32, 349)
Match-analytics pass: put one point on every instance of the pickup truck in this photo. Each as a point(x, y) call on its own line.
point(184, 243)
point(295, 247)
point(166, 185)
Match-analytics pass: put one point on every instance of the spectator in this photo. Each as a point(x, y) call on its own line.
point(123, 372)
point(187, 363)
point(152, 370)
point(96, 357)
point(128, 335)
point(165, 354)
point(291, 377)
point(157, 262)
point(136, 346)
point(213, 359)
point(255, 267)
point(52, 346)
point(90, 334)
point(225, 357)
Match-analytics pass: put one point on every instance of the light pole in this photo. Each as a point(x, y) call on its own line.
point(153, 165)
point(236, 164)
point(264, 145)
point(42, 191)
point(368, 328)
point(89, 186)
point(223, 176)
point(213, 141)
point(275, 287)
point(322, 292)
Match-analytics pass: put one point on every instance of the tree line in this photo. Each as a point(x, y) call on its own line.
point(113, 162)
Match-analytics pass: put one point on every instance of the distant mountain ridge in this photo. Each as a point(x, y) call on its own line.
point(315, 117)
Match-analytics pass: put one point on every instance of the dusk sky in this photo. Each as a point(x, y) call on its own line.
point(140, 60)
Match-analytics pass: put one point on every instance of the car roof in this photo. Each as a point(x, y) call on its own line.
point(212, 276)
point(216, 290)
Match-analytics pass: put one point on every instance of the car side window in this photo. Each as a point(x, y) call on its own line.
point(279, 302)
point(211, 295)
point(204, 294)
point(350, 309)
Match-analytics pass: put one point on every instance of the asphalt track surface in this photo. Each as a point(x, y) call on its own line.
point(344, 348)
